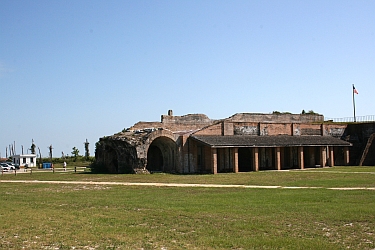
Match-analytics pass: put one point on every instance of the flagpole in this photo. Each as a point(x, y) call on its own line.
point(353, 103)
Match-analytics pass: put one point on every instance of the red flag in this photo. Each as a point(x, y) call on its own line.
point(354, 90)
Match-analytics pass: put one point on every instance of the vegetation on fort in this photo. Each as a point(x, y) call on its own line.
point(303, 112)
point(92, 216)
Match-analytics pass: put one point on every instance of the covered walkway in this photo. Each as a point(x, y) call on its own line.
point(254, 153)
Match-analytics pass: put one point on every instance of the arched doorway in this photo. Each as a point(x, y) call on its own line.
point(110, 159)
point(161, 155)
point(154, 159)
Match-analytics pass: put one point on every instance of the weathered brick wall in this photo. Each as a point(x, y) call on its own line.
point(186, 119)
point(215, 129)
point(207, 160)
point(227, 128)
point(358, 134)
point(174, 127)
point(335, 130)
point(364, 130)
point(241, 124)
point(245, 128)
point(275, 118)
point(143, 125)
point(184, 151)
point(190, 122)
point(258, 128)
point(275, 128)
point(183, 127)
point(266, 128)
point(308, 129)
point(192, 168)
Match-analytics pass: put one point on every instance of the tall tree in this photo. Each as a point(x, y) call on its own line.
point(40, 158)
point(75, 152)
point(50, 152)
point(87, 152)
point(32, 148)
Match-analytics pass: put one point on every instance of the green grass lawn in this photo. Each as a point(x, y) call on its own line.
point(83, 216)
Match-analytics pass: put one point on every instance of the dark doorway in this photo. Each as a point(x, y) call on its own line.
point(154, 159)
point(161, 155)
point(110, 159)
point(245, 160)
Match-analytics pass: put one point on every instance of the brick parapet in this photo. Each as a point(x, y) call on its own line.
point(215, 129)
point(276, 118)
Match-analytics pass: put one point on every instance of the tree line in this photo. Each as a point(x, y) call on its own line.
point(74, 157)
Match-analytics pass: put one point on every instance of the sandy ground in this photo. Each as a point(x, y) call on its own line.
point(181, 185)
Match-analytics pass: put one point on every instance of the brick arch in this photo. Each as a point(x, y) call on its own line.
point(161, 151)
point(158, 133)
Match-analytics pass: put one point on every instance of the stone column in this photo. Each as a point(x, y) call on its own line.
point(331, 157)
point(323, 156)
point(278, 158)
point(235, 160)
point(213, 161)
point(256, 159)
point(301, 162)
point(346, 156)
point(184, 151)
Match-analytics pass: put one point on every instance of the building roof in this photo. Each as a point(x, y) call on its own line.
point(268, 141)
point(24, 155)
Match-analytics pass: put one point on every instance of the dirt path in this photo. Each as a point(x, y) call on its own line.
point(180, 185)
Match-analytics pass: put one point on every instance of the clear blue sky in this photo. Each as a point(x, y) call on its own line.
point(71, 70)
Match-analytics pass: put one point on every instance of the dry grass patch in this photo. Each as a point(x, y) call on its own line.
point(79, 216)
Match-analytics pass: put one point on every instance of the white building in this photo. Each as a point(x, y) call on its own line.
point(22, 160)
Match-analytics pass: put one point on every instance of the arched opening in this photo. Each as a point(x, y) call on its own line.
point(110, 159)
point(161, 155)
point(154, 159)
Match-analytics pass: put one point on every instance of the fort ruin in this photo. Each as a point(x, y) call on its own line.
point(244, 142)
